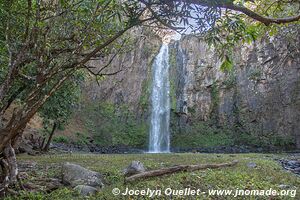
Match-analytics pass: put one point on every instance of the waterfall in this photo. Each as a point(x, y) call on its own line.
point(160, 98)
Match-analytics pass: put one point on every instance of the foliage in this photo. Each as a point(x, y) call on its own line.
point(202, 135)
point(255, 74)
point(227, 33)
point(227, 64)
point(215, 102)
point(234, 28)
point(265, 140)
point(173, 65)
point(206, 134)
point(81, 138)
point(173, 99)
point(110, 124)
point(61, 139)
point(60, 106)
point(44, 43)
point(230, 80)
point(145, 95)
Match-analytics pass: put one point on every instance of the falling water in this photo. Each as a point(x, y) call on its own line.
point(160, 116)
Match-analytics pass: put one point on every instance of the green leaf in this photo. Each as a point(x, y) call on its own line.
point(227, 64)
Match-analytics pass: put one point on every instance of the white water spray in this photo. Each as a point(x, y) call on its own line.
point(160, 117)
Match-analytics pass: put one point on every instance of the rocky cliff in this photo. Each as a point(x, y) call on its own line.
point(259, 97)
point(131, 85)
point(114, 110)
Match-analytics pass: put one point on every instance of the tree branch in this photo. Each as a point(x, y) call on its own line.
point(229, 5)
point(265, 20)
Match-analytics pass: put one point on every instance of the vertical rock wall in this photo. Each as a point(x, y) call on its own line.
point(131, 86)
point(261, 95)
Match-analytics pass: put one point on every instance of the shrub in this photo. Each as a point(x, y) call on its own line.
point(61, 139)
point(202, 135)
point(112, 124)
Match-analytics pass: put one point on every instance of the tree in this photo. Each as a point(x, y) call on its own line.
point(59, 107)
point(44, 44)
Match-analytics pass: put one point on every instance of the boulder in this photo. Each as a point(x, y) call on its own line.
point(25, 147)
point(135, 167)
point(252, 165)
point(296, 170)
point(74, 175)
point(293, 163)
point(283, 186)
point(85, 190)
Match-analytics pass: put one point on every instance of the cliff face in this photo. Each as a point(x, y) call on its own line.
point(259, 96)
point(131, 86)
point(114, 111)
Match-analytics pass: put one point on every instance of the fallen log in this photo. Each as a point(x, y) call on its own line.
point(177, 168)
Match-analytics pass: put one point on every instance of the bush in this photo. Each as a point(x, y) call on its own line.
point(115, 125)
point(264, 140)
point(202, 135)
point(61, 139)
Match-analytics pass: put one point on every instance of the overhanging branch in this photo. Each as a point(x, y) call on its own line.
point(229, 5)
point(265, 20)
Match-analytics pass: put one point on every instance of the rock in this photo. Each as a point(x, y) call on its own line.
point(257, 85)
point(85, 190)
point(282, 186)
point(297, 170)
point(74, 175)
point(119, 149)
point(252, 165)
point(135, 167)
point(51, 184)
point(293, 163)
point(25, 147)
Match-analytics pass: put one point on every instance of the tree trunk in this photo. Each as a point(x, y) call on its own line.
point(4, 178)
point(178, 168)
point(42, 143)
point(9, 168)
point(46, 148)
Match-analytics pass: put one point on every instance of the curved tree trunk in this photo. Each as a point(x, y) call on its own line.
point(8, 161)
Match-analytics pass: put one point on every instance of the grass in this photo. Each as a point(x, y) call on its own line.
point(268, 174)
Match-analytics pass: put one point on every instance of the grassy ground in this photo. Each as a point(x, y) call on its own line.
point(268, 174)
